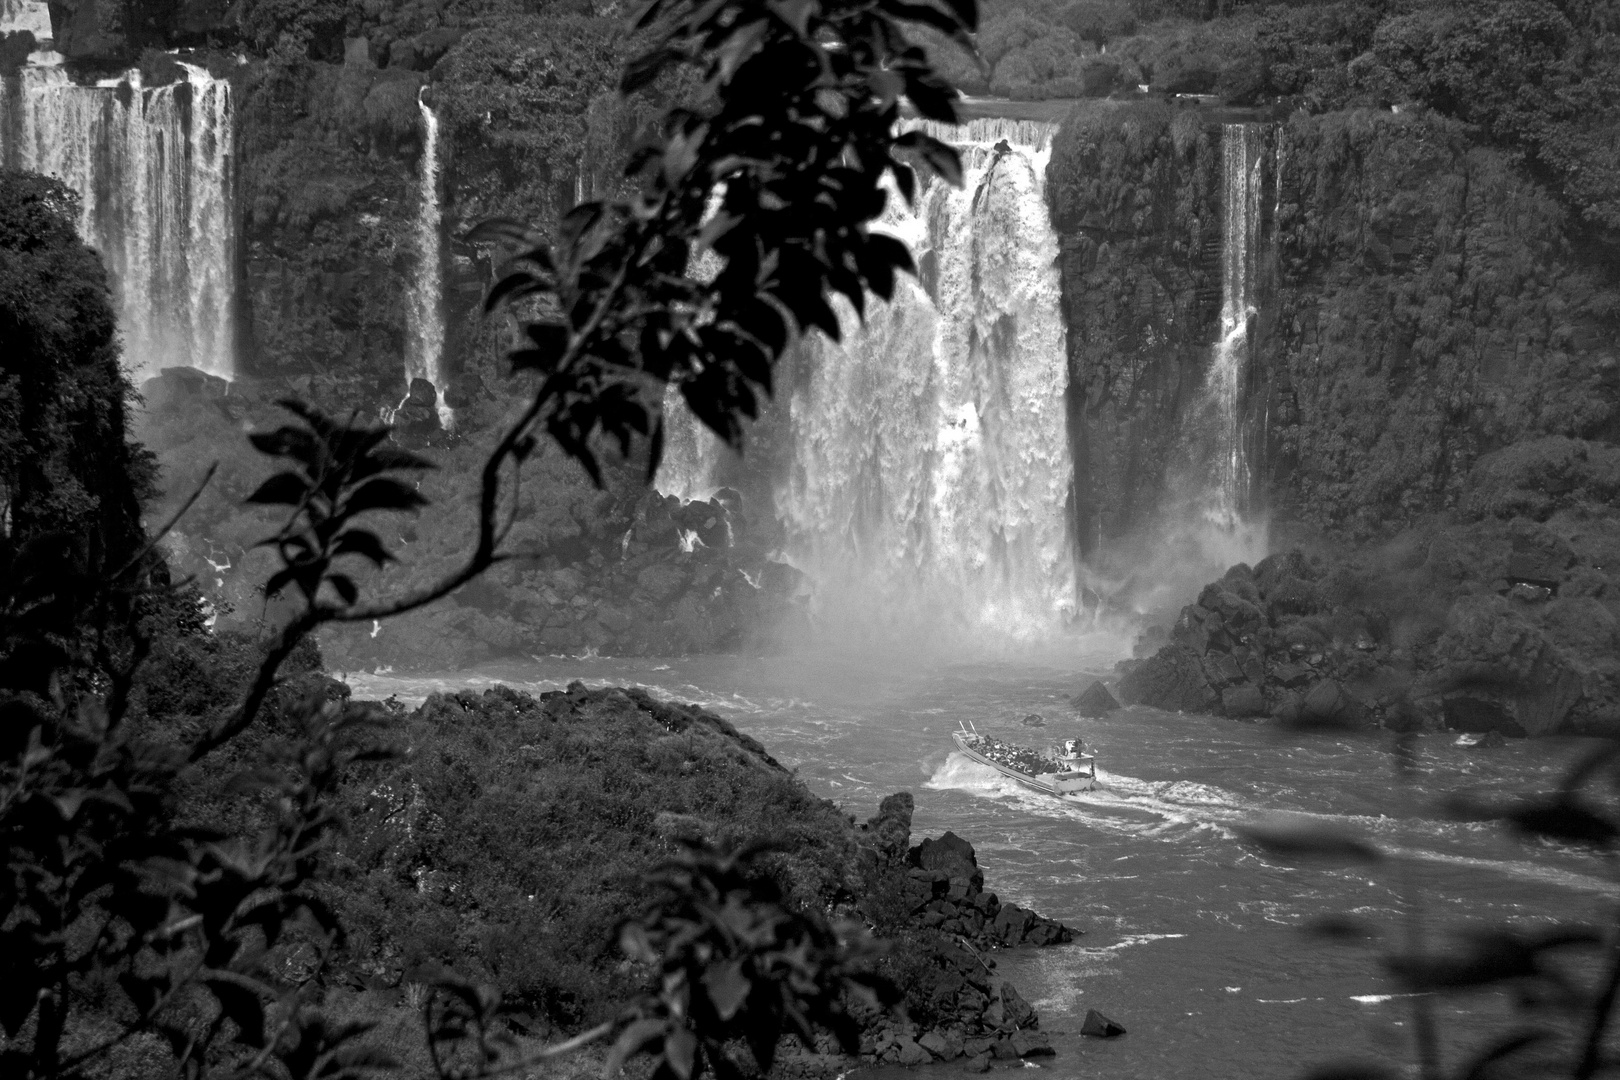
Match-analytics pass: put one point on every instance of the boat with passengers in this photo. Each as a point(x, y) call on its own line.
point(1060, 770)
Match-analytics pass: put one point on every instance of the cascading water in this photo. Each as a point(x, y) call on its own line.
point(33, 16)
point(1216, 431)
point(154, 168)
point(425, 309)
point(930, 466)
point(1205, 522)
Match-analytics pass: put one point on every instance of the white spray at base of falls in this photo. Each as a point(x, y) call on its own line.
point(425, 304)
point(930, 464)
point(154, 168)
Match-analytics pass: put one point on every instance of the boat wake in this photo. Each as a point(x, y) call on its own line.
point(1177, 810)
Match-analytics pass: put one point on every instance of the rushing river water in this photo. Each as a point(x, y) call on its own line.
point(1192, 937)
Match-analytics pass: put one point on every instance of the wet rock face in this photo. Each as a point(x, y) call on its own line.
point(1490, 626)
point(1424, 322)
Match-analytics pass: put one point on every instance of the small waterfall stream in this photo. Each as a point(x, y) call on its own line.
point(154, 169)
point(425, 307)
point(1217, 428)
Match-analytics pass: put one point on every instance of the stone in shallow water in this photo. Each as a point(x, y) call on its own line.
point(1095, 701)
point(1100, 1026)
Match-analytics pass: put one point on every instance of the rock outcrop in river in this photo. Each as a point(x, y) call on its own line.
point(1496, 625)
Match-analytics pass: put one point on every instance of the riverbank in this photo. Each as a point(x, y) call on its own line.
point(517, 832)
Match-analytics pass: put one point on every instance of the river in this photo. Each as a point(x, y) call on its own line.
point(1192, 937)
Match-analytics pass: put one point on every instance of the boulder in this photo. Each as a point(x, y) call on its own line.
point(1095, 701)
point(1099, 1026)
point(1172, 679)
point(1324, 703)
point(1243, 700)
point(937, 1045)
point(1028, 1044)
point(950, 855)
point(913, 1054)
point(1034, 719)
point(418, 416)
point(889, 831)
point(1538, 556)
point(1014, 1009)
point(1498, 671)
point(978, 1063)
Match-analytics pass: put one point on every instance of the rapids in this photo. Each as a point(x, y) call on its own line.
point(1193, 937)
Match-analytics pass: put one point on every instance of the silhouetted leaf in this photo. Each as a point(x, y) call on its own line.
point(364, 543)
point(1340, 928)
point(1479, 1066)
point(680, 1048)
point(550, 346)
point(633, 1040)
point(507, 231)
point(1566, 821)
point(391, 457)
point(1485, 957)
point(1305, 839)
point(383, 493)
point(242, 1005)
point(1350, 1070)
point(345, 587)
point(286, 441)
point(283, 488)
point(514, 286)
point(727, 986)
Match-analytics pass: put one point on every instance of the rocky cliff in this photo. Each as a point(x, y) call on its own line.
point(1423, 301)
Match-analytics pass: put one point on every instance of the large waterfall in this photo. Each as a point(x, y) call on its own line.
point(153, 167)
point(425, 309)
point(33, 16)
point(930, 468)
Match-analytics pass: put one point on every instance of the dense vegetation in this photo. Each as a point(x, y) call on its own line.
point(65, 466)
point(167, 851)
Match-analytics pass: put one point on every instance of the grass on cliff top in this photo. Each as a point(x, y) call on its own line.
point(513, 837)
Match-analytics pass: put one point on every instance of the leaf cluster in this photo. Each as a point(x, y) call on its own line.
point(732, 963)
point(779, 172)
point(337, 476)
point(1533, 962)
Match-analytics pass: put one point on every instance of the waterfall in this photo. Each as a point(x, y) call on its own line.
point(929, 459)
point(33, 16)
point(1217, 429)
point(154, 169)
point(425, 309)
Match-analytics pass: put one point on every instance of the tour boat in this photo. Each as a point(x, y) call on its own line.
point(1062, 771)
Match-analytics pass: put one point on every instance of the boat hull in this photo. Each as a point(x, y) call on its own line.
point(1054, 783)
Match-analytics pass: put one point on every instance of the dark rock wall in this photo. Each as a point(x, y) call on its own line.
point(1433, 304)
point(1135, 194)
point(1423, 301)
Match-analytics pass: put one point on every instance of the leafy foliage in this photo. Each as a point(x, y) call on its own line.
point(734, 964)
point(65, 464)
point(1557, 971)
point(338, 475)
point(215, 939)
point(797, 135)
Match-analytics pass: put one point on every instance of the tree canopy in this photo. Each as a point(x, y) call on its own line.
point(65, 463)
